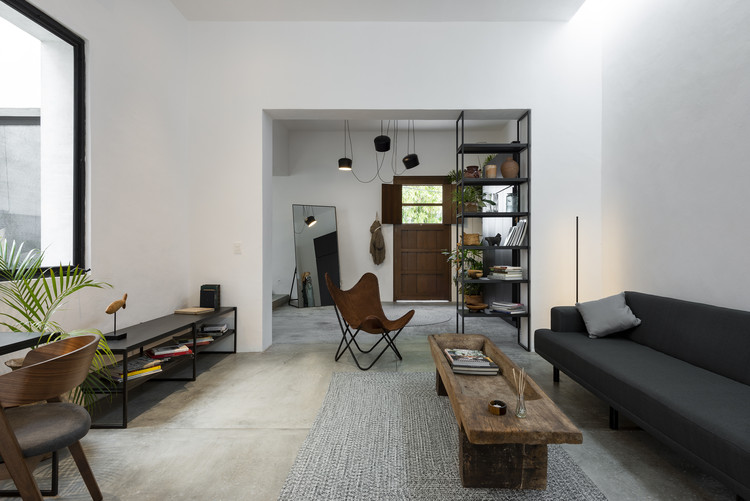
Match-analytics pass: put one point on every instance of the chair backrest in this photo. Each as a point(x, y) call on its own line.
point(49, 371)
point(359, 302)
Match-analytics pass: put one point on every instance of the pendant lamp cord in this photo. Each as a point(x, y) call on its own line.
point(414, 135)
point(348, 133)
point(408, 142)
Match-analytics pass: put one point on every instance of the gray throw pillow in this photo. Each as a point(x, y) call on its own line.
point(607, 316)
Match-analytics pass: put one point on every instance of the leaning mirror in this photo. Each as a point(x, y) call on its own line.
point(316, 250)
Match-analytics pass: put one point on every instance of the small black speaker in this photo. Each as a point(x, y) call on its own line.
point(211, 296)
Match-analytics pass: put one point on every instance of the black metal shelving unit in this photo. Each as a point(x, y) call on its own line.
point(519, 255)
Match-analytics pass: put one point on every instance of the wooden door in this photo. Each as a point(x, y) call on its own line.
point(420, 270)
point(420, 210)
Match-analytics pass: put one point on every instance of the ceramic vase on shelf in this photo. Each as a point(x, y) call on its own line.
point(490, 171)
point(509, 168)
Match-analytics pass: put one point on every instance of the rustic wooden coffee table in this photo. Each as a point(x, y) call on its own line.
point(499, 451)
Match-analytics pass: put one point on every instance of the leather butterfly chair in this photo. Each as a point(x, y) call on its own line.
point(28, 432)
point(359, 309)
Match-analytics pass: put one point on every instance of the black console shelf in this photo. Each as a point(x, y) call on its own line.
point(161, 331)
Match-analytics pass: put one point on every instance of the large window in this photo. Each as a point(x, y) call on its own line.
point(421, 204)
point(42, 141)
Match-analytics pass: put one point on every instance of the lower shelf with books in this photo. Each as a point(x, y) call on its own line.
point(167, 343)
point(490, 313)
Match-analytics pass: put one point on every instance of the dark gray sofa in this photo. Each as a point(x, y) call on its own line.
point(682, 375)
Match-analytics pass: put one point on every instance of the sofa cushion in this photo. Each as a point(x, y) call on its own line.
point(711, 337)
point(703, 412)
point(607, 316)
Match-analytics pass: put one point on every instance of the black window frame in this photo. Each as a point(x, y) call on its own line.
point(79, 119)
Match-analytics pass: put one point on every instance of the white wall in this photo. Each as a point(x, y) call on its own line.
point(675, 149)
point(168, 201)
point(237, 72)
point(138, 227)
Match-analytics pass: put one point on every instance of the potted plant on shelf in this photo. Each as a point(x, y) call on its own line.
point(462, 260)
point(473, 196)
point(34, 294)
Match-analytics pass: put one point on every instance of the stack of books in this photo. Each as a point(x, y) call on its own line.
point(506, 273)
point(516, 234)
point(471, 362)
point(162, 352)
point(510, 308)
point(137, 367)
point(214, 328)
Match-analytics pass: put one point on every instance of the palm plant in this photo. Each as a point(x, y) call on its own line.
point(34, 294)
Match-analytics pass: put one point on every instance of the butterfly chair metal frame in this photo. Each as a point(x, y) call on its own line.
point(28, 432)
point(359, 309)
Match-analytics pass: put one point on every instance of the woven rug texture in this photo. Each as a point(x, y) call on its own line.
point(389, 436)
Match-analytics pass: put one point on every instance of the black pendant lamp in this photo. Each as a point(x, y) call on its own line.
point(411, 160)
point(345, 163)
point(310, 220)
point(382, 142)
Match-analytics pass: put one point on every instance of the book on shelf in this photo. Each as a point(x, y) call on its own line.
point(505, 268)
point(118, 377)
point(193, 311)
point(516, 234)
point(506, 276)
point(510, 236)
point(470, 362)
point(506, 273)
point(215, 328)
point(136, 364)
point(199, 340)
point(169, 351)
point(141, 366)
point(510, 308)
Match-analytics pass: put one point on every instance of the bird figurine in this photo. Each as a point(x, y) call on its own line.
point(116, 305)
point(112, 310)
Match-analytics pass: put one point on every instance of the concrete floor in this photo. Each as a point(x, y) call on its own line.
point(234, 433)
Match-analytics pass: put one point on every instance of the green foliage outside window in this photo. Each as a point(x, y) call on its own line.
point(422, 204)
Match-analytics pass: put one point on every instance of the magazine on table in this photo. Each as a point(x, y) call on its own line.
point(468, 358)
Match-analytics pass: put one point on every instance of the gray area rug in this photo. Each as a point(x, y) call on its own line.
point(388, 436)
point(319, 324)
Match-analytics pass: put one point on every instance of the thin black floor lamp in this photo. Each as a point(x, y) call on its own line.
point(576, 259)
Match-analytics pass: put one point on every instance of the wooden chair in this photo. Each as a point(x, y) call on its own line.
point(28, 432)
point(359, 308)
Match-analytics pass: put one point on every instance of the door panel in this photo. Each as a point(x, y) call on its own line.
point(421, 271)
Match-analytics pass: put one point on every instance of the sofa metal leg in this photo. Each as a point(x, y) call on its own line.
point(614, 419)
point(555, 374)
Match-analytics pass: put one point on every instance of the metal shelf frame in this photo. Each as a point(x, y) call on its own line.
point(520, 149)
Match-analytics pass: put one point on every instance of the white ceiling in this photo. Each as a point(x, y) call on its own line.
point(378, 10)
point(370, 120)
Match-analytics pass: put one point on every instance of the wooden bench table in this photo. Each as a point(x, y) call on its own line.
point(499, 451)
